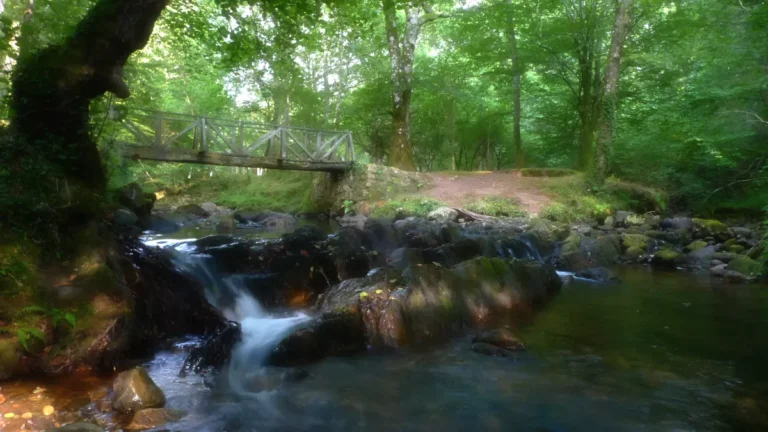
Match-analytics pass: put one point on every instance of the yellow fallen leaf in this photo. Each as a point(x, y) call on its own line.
point(48, 410)
point(9, 415)
point(26, 415)
point(363, 294)
point(379, 291)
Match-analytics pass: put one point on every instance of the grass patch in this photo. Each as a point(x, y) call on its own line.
point(547, 172)
point(496, 206)
point(574, 202)
point(418, 207)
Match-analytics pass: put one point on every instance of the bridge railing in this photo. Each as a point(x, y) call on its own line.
point(165, 130)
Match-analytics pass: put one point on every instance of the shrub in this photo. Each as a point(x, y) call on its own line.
point(496, 206)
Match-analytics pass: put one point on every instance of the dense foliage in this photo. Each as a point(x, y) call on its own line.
point(691, 106)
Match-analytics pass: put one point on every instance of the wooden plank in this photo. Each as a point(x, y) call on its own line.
point(221, 136)
point(136, 131)
point(169, 154)
point(180, 134)
point(204, 138)
point(261, 141)
point(333, 148)
point(293, 137)
point(324, 145)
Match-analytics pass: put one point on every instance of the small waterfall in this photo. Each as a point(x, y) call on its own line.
point(262, 331)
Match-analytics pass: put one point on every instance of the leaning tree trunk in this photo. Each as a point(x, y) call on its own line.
point(52, 89)
point(610, 93)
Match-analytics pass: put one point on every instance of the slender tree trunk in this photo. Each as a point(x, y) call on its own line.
point(610, 92)
point(586, 108)
point(25, 33)
point(517, 140)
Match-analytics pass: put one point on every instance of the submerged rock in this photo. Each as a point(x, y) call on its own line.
point(78, 427)
point(273, 378)
point(134, 390)
point(598, 274)
point(151, 418)
point(502, 338)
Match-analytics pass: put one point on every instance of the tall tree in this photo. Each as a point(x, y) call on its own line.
point(516, 71)
point(610, 91)
point(402, 47)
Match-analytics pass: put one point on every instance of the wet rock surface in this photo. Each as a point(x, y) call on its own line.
point(134, 391)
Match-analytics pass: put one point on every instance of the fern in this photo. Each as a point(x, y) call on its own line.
point(24, 335)
point(30, 310)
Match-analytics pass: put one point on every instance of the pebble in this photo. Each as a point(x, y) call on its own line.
point(48, 410)
point(26, 415)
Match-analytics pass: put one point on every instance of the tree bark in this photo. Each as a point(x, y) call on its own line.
point(517, 140)
point(52, 89)
point(25, 33)
point(610, 93)
point(401, 49)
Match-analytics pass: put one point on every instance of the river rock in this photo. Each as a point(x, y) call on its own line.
point(502, 338)
point(151, 418)
point(744, 266)
point(734, 276)
point(134, 390)
point(609, 221)
point(268, 219)
point(193, 209)
point(638, 241)
point(677, 223)
point(711, 228)
point(653, 221)
point(209, 207)
point(78, 427)
point(491, 350)
point(443, 215)
point(634, 220)
point(742, 232)
point(666, 258)
point(725, 257)
point(403, 258)
point(125, 218)
point(719, 270)
point(696, 245)
point(633, 254)
point(621, 217)
point(137, 201)
point(353, 221)
point(598, 274)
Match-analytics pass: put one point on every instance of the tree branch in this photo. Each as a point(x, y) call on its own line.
point(759, 119)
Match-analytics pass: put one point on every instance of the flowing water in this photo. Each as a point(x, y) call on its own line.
point(662, 351)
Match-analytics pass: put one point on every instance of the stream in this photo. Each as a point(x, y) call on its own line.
point(660, 351)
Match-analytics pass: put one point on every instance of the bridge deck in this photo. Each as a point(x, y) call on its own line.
point(171, 137)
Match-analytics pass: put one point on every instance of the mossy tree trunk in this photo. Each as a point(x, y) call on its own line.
point(52, 90)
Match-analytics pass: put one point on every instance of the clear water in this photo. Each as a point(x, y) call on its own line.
point(661, 351)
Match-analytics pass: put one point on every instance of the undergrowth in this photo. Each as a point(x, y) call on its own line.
point(496, 206)
point(419, 207)
point(574, 202)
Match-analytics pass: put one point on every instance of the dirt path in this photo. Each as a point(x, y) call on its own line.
point(459, 189)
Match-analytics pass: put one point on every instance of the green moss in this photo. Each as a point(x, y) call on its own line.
point(696, 245)
point(496, 206)
point(636, 241)
point(571, 244)
point(710, 226)
point(666, 257)
point(573, 201)
point(419, 207)
point(633, 253)
point(736, 249)
point(745, 265)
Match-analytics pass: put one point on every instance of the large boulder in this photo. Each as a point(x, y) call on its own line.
point(572, 255)
point(426, 305)
point(745, 266)
point(134, 390)
point(443, 215)
point(605, 250)
point(125, 218)
point(353, 221)
point(209, 207)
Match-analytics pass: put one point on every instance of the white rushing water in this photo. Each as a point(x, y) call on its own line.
point(261, 331)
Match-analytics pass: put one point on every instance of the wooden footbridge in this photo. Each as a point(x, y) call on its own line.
point(171, 137)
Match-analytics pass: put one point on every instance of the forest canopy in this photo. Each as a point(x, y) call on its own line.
point(464, 84)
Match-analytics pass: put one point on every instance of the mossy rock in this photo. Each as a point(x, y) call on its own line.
point(725, 256)
point(745, 265)
point(634, 219)
point(666, 258)
point(570, 245)
point(633, 253)
point(710, 227)
point(696, 245)
point(738, 249)
point(730, 242)
point(636, 241)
